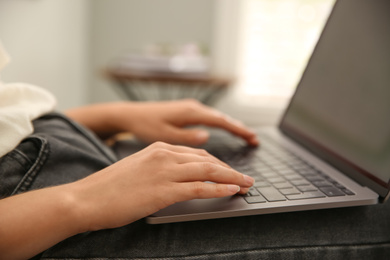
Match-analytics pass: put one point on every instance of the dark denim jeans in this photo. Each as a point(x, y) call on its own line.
point(59, 151)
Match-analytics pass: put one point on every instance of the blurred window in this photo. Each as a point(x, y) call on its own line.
point(275, 40)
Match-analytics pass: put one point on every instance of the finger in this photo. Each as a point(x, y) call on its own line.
point(178, 148)
point(210, 117)
point(217, 119)
point(176, 135)
point(184, 158)
point(243, 191)
point(202, 190)
point(189, 150)
point(207, 171)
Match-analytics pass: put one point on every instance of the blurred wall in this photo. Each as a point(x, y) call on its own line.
point(65, 45)
point(47, 41)
point(122, 26)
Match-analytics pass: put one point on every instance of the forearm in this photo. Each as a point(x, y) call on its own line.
point(103, 119)
point(36, 220)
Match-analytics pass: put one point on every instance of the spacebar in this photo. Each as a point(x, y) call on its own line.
point(271, 194)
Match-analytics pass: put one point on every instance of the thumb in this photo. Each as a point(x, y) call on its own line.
point(187, 136)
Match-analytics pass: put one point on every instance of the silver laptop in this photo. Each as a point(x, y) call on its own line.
point(332, 146)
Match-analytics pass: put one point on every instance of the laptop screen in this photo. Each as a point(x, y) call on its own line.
point(341, 107)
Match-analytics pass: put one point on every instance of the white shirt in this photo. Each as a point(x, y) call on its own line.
point(20, 104)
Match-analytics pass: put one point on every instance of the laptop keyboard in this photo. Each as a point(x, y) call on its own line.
point(281, 175)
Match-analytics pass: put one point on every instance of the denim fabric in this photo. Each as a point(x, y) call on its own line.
point(60, 152)
point(349, 233)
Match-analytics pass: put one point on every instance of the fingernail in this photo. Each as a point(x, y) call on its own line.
point(234, 188)
point(254, 141)
point(249, 180)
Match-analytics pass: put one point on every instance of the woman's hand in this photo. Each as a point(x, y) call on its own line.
point(126, 191)
point(160, 121)
point(152, 179)
point(165, 121)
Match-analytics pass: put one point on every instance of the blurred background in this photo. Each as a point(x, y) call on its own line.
point(247, 54)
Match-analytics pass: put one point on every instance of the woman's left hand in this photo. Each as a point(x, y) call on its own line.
point(160, 121)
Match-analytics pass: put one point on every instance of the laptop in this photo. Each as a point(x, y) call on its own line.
point(332, 146)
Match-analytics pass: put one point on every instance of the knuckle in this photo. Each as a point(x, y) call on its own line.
point(219, 189)
point(198, 189)
point(209, 168)
point(192, 105)
point(203, 152)
point(159, 144)
point(159, 153)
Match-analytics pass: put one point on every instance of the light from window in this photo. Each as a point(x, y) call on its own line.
point(275, 41)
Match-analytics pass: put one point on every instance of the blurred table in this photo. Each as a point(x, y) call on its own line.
point(144, 85)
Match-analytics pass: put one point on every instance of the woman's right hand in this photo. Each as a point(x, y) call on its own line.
point(152, 179)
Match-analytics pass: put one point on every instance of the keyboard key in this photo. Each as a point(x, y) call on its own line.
point(261, 168)
point(255, 199)
point(283, 185)
point(312, 178)
point(280, 167)
point(306, 195)
point(289, 191)
point(291, 161)
point(293, 177)
point(287, 172)
point(276, 180)
point(253, 192)
point(271, 161)
point(302, 168)
point(329, 179)
point(308, 172)
point(348, 192)
point(244, 168)
point(271, 194)
point(332, 191)
point(307, 188)
point(300, 182)
point(256, 176)
point(269, 174)
point(338, 185)
point(322, 184)
point(261, 184)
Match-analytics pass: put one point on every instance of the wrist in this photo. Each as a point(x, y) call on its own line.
point(71, 208)
point(120, 115)
point(89, 200)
